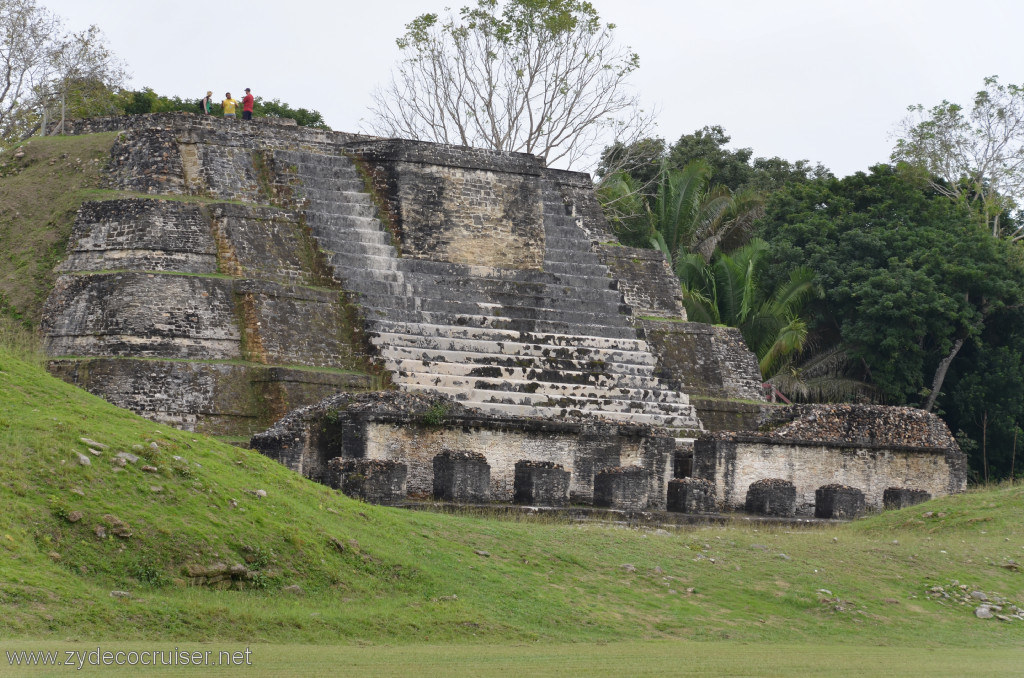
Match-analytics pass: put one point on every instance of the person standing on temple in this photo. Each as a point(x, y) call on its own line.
point(207, 103)
point(247, 103)
point(230, 105)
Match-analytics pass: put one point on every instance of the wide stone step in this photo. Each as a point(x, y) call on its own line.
point(526, 370)
point(364, 208)
point(309, 163)
point(347, 222)
point(356, 247)
point(564, 408)
point(484, 291)
point(576, 269)
point(545, 339)
point(465, 392)
point(532, 325)
point(347, 264)
point(540, 387)
point(507, 292)
point(457, 306)
point(565, 277)
point(458, 349)
point(571, 256)
point(534, 356)
point(437, 298)
point(576, 244)
point(335, 192)
point(329, 236)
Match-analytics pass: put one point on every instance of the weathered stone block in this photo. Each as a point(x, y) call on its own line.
point(771, 497)
point(691, 495)
point(902, 497)
point(541, 483)
point(622, 487)
point(375, 481)
point(838, 501)
point(462, 476)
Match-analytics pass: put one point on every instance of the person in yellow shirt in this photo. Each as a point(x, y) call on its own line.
point(230, 105)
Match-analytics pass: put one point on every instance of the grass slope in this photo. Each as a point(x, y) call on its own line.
point(40, 191)
point(406, 577)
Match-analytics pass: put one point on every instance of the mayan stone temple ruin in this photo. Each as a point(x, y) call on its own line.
point(407, 320)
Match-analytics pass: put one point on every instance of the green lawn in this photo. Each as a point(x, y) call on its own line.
point(652, 658)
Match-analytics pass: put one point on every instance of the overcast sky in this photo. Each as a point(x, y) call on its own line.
point(822, 80)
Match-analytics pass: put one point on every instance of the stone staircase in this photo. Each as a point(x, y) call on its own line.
point(556, 343)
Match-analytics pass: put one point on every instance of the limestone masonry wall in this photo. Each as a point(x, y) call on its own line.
point(868, 447)
point(145, 235)
point(461, 205)
point(645, 280)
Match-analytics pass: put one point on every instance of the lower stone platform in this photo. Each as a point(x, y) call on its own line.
point(415, 429)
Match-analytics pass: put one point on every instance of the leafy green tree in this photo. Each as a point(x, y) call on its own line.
point(986, 398)
point(739, 169)
point(728, 291)
point(974, 156)
point(304, 117)
point(909, 277)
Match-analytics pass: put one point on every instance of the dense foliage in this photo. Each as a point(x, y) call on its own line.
point(910, 279)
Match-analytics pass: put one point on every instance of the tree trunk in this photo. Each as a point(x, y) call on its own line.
point(940, 374)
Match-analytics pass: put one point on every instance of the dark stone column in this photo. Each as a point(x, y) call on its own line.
point(838, 501)
point(375, 481)
point(622, 487)
point(902, 497)
point(462, 476)
point(541, 483)
point(691, 495)
point(772, 497)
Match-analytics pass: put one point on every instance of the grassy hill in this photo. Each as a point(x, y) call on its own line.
point(42, 184)
point(367, 573)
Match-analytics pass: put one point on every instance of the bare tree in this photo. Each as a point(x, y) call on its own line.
point(974, 156)
point(534, 76)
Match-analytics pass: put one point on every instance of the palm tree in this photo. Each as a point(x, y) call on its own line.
point(692, 215)
point(821, 375)
point(685, 213)
point(726, 292)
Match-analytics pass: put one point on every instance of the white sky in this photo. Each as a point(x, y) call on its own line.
point(818, 79)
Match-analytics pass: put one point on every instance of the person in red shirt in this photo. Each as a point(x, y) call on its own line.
point(247, 102)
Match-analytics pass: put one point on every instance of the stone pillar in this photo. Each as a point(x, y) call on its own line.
point(375, 481)
point(902, 497)
point(462, 476)
point(541, 483)
point(771, 497)
point(622, 487)
point(691, 495)
point(838, 501)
